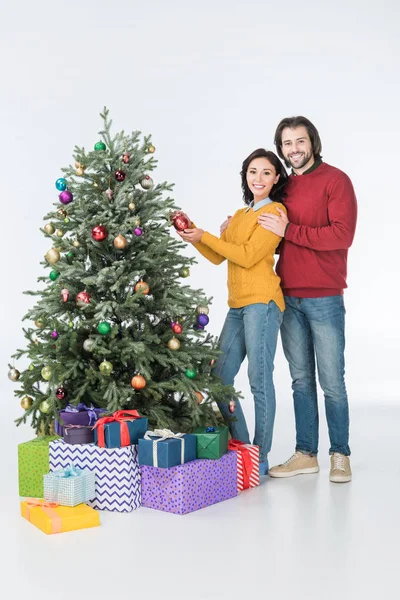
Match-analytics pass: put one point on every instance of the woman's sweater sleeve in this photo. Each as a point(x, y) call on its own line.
point(208, 253)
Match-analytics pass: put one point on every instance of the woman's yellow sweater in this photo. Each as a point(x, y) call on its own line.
point(249, 249)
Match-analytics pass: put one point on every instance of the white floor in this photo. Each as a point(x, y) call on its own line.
point(300, 538)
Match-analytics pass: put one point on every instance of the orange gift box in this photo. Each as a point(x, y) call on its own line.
point(53, 518)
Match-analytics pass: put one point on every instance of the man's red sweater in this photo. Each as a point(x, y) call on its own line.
point(322, 211)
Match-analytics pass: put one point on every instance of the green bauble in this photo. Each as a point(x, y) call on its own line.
point(31, 367)
point(191, 373)
point(46, 373)
point(184, 272)
point(66, 220)
point(45, 407)
point(99, 146)
point(70, 324)
point(104, 328)
point(106, 367)
point(53, 275)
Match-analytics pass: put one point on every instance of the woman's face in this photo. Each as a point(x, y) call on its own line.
point(260, 177)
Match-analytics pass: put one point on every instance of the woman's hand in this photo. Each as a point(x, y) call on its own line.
point(191, 235)
point(276, 224)
point(225, 224)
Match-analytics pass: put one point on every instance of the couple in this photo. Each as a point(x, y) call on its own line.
point(311, 215)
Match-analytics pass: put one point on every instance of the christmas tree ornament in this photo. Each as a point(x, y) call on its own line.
point(31, 367)
point(61, 393)
point(70, 324)
point(146, 182)
point(99, 146)
point(61, 184)
point(104, 328)
point(83, 298)
point(120, 242)
point(120, 175)
point(66, 220)
point(65, 294)
point(89, 345)
point(61, 213)
point(174, 343)
point(46, 373)
point(151, 149)
point(95, 184)
point(138, 231)
point(76, 243)
point(39, 323)
point(212, 362)
point(184, 272)
point(99, 233)
point(53, 275)
point(45, 407)
point(180, 221)
point(191, 373)
point(59, 233)
point(136, 222)
point(131, 206)
point(138, 382)
point(70, 255)
point(199, 397)
point(176, 328)
point(49, 229)
point(52, 256)
point(26, 402)
point(106, 367)
point(202, 310)
point(125, 157)
point(198, 327)
point(54, 335)
point(202, 320)
point(143, 287)
point(109, 193)
point(13, 374)
point(79, 165)
point(79, 171)
point(65, 197)
point(232, 406)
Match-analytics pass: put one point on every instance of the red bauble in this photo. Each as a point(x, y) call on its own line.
point(83, 298)
point(99, 233)
point(177, 328)
point(120, 175)
point(180, 222)
point(61, 393)
point(126, 157)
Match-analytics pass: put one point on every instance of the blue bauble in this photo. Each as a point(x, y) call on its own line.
point(61, 184)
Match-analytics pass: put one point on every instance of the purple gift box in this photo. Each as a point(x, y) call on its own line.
point(78, 434)
point(77, 415)
point(188, 487)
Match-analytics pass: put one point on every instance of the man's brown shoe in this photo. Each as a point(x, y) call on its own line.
point(298, 464)
point(340, 468)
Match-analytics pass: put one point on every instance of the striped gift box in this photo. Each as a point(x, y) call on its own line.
point(248, 464)
point(70, 491)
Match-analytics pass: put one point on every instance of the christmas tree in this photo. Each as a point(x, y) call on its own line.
point(114, 326)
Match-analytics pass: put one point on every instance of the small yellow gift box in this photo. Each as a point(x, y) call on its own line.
point(53, 518)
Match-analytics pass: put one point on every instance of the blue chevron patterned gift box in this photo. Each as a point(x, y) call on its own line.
point(118, 485)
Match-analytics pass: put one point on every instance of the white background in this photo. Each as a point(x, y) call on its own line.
point(210, 81)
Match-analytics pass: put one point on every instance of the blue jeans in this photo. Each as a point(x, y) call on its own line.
point(313, 332)
point(252, 331)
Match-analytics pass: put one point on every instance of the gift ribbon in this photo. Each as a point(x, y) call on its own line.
point(247, 461)
point(48, 508)
point(165, 434)
point(80, 408)
point(69, 472)
point(121, 417)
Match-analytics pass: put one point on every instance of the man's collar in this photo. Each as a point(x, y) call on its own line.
point(314, 166)
point(259, 204)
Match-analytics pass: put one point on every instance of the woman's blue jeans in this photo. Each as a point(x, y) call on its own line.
point(251, 331)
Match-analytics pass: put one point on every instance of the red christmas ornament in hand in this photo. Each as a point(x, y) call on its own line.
point(180, 221)
point(99, 233)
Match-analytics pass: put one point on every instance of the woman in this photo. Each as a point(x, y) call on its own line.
point(254, 294)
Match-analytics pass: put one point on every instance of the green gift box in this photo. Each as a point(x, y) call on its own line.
point(33, 463)
point(212, 442)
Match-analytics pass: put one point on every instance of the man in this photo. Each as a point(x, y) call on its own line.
point(318, 231)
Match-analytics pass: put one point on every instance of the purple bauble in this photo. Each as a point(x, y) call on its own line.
point(138, 231)
point(197, 326)
point(202, 320)
point(65, 197)
point(54, 335)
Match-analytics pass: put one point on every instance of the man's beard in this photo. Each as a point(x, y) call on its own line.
point(301, 164)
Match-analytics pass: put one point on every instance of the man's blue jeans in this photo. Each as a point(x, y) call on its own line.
point(252, 331)
point(313, 332)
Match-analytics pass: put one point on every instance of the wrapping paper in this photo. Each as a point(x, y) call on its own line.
point(248, 464)
point(51, 518)
point(33, 463)
point(70, 486)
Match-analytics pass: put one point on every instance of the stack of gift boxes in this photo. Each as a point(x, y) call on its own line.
point(114, 463)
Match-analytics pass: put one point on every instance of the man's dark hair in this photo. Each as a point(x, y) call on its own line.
point(292, 123)
point(277, 193)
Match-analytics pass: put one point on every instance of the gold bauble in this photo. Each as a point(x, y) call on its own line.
point(52, 256)
point(174, 344)
point(61, 213)
point(132, 206)
point(136, 222)
point(202, 310)
point(39, 324)
point(13, 374)
point(59, 233)
point(49, 228)
point(78, 165)
point(76, 243)
point(26, 402)
point(151, 149)
point(79, 171)
point(120, 242)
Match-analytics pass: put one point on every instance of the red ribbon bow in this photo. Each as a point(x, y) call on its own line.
point(247, 460)
point(121, 417)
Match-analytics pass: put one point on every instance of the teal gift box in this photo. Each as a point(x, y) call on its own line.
point(123, 428)
point(164, 449)
point(212, 442)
